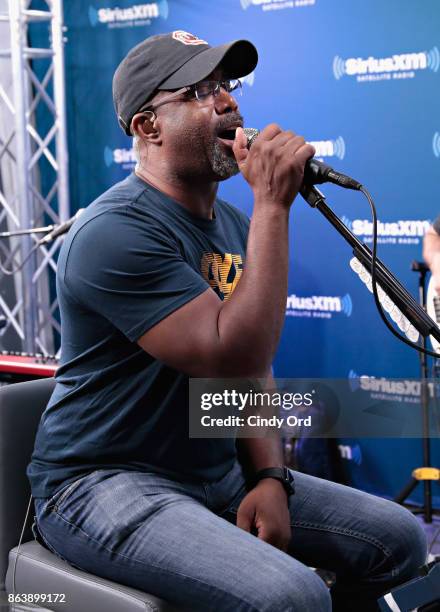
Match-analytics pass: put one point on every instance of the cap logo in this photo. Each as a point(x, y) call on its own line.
point(188, 39)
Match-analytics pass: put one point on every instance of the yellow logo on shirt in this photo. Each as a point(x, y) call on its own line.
point(222, 272)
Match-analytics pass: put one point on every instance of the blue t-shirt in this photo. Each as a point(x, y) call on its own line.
point(132, 258)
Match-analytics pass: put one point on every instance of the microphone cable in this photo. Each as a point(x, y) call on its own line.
point(55, 232)
point(13, 271)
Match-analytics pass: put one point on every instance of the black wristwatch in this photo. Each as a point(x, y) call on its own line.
point(282, 474)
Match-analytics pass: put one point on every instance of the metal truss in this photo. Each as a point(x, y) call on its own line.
point(33, 171)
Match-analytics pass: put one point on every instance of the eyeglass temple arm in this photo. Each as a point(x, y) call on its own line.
point(164, 100)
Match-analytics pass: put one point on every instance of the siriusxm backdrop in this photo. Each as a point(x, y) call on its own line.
point(361, 80)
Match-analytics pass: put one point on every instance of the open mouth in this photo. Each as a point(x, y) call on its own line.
point(227, 137)
point(227, 134)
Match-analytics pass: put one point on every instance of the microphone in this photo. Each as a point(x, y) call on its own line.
point(315, 172)
point(62, 228)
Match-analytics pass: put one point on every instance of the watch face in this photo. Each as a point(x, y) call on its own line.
point(289, 481)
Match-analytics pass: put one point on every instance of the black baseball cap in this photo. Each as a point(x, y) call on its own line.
point(171, 61)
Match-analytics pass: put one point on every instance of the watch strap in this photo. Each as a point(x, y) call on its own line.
point(281, 474)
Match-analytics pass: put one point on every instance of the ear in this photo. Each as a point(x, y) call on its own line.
point(147, 127)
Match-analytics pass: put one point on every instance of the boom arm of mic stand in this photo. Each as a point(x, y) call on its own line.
point(389, 283)
point(23, 232)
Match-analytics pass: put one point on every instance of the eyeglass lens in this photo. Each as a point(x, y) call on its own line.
point(207, 88)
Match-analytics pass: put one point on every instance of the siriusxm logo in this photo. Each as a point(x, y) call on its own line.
point(397, 65)
point(353, 380)
point(404, 388)
point(330, 148)
point(123, 157)
point(436, 144)
point(268, 5)
point(402, 228)
point(351, 453)
point(318, 305)
point(136, 14)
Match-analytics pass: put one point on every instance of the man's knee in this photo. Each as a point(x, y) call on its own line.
point(298, 591)
point(410, 545)
point(403, 546)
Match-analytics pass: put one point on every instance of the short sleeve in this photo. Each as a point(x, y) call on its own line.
point(129, 271)
point(436, 225)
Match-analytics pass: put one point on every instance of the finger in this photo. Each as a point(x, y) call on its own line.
point(244, 521)
point(294, 143)
point(284, 138)
point(269, 132)
point(264, 534)
point(269, 536)
point(294, 146)
point(275, 539)
point(305, 152)
point(239, 146)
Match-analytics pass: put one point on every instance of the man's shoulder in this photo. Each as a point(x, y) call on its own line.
point(125, 192)
point(113, 226)
point(118, 205)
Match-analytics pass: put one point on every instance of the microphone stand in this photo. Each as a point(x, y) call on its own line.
point(22, 232)
point(427, 474)
point(389, 283)
point(419, 319)
point(48, 230)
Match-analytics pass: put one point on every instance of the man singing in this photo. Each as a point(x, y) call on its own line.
point(160, 280)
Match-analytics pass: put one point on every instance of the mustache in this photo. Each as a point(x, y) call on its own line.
point(231, 120)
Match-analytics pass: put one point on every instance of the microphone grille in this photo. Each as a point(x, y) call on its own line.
point(251, 135)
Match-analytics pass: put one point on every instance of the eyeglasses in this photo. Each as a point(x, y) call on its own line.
point(212, 88)
point(200, 91)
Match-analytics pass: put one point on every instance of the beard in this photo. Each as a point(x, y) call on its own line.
point(198, 153)
point(223, 165)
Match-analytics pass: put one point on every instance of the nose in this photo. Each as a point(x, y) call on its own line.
point(225, 103)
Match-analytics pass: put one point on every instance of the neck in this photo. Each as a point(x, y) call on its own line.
point(196, 195)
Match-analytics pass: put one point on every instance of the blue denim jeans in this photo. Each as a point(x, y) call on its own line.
point(179, 541)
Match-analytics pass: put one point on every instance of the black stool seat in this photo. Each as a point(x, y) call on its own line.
point(38, 570)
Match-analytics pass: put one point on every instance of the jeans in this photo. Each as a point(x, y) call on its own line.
point(179, 541)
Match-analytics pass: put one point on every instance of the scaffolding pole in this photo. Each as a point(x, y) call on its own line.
point(37, 146)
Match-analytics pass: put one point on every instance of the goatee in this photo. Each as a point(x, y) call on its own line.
point(223, 165)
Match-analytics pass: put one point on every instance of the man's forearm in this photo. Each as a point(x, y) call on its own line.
point(258, 453)
point(250, 322)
